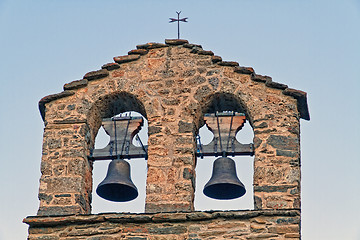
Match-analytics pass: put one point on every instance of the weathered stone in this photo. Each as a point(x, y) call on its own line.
point(190, 45)
point(45, 197)
point(262, 236)
point(176, 41)
point(286, 153)
point(197, 80)
point(203, 52)
point(257, 141)
point(228, 63)
point(138, 51)
point(169, 217)
point(214, 82)
point(110, 66)
point(90, 76)
point(76, 84)
point(168, 207)
point(151, 45)
point(59, 210)
point(202, 92)
point(153, 129)
point(283, 142)
point(185, 127)
point(171, 101)
point(244, 70)
point(301, 101)
point(189, 73)
point(260, 78)
point(199, 216)
point(126, 58)
point(257, 203)
point(288, 220)
point(125, 218)
point(275, 202)
point(188, 173)
point(261, 125)
point(195, 49)
point(176, 229)
point(276, 85)
point(51, 98)
point(216, 59)
point(281, 188)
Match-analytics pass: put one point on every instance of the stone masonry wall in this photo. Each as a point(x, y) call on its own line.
point(172, 85)
point(273, 224)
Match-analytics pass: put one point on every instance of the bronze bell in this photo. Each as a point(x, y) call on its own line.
point(224, 183)
point(117, 185)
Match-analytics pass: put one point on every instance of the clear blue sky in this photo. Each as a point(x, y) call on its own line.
point(311, 45)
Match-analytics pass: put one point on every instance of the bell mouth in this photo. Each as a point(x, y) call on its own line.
point(224, 191)
point(117, 192)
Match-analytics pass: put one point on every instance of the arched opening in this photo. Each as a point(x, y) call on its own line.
point(227, 104)
point(112, 108)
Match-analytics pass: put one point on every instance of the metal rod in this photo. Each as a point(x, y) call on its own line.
point(218, 124)
point(142, 145)
point(178, 22)
point(127, 128)
point(116, 150)
point(231, 121)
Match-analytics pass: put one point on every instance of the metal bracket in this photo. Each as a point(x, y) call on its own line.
point(224, 141)
point(121, 130)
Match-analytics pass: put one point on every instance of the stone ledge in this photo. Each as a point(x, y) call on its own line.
point(228, 63)
point(244, 70)
point(301, 101)
point(176, 41)
point(38, 221)
point(138, 51)
point(126, 58)
point(151, 45)
point(94, 75)
point(190, 45)
point(76, 84)
point(110, 66)
point(275, 85)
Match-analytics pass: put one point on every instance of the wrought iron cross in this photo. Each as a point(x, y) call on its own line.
point(178, 22)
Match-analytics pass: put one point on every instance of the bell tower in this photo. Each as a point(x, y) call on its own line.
point(178, 87)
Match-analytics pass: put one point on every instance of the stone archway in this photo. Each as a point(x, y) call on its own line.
point(171, 84)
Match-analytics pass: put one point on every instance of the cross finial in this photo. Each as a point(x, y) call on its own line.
point(178, 21)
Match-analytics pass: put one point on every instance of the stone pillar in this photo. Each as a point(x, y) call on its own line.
point(66, 181)
point(171, 164)
point(277, 163)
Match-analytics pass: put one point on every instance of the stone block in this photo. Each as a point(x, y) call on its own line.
point(90, 76)
point(244, 70)
point(126, 58)
point(151, 45)
point(186, 127)
point(176, 41)
point(76, 84)
point(110, 66)
point(138, 51)
point(283, 142)
point(64, 184)
point(228, 63)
